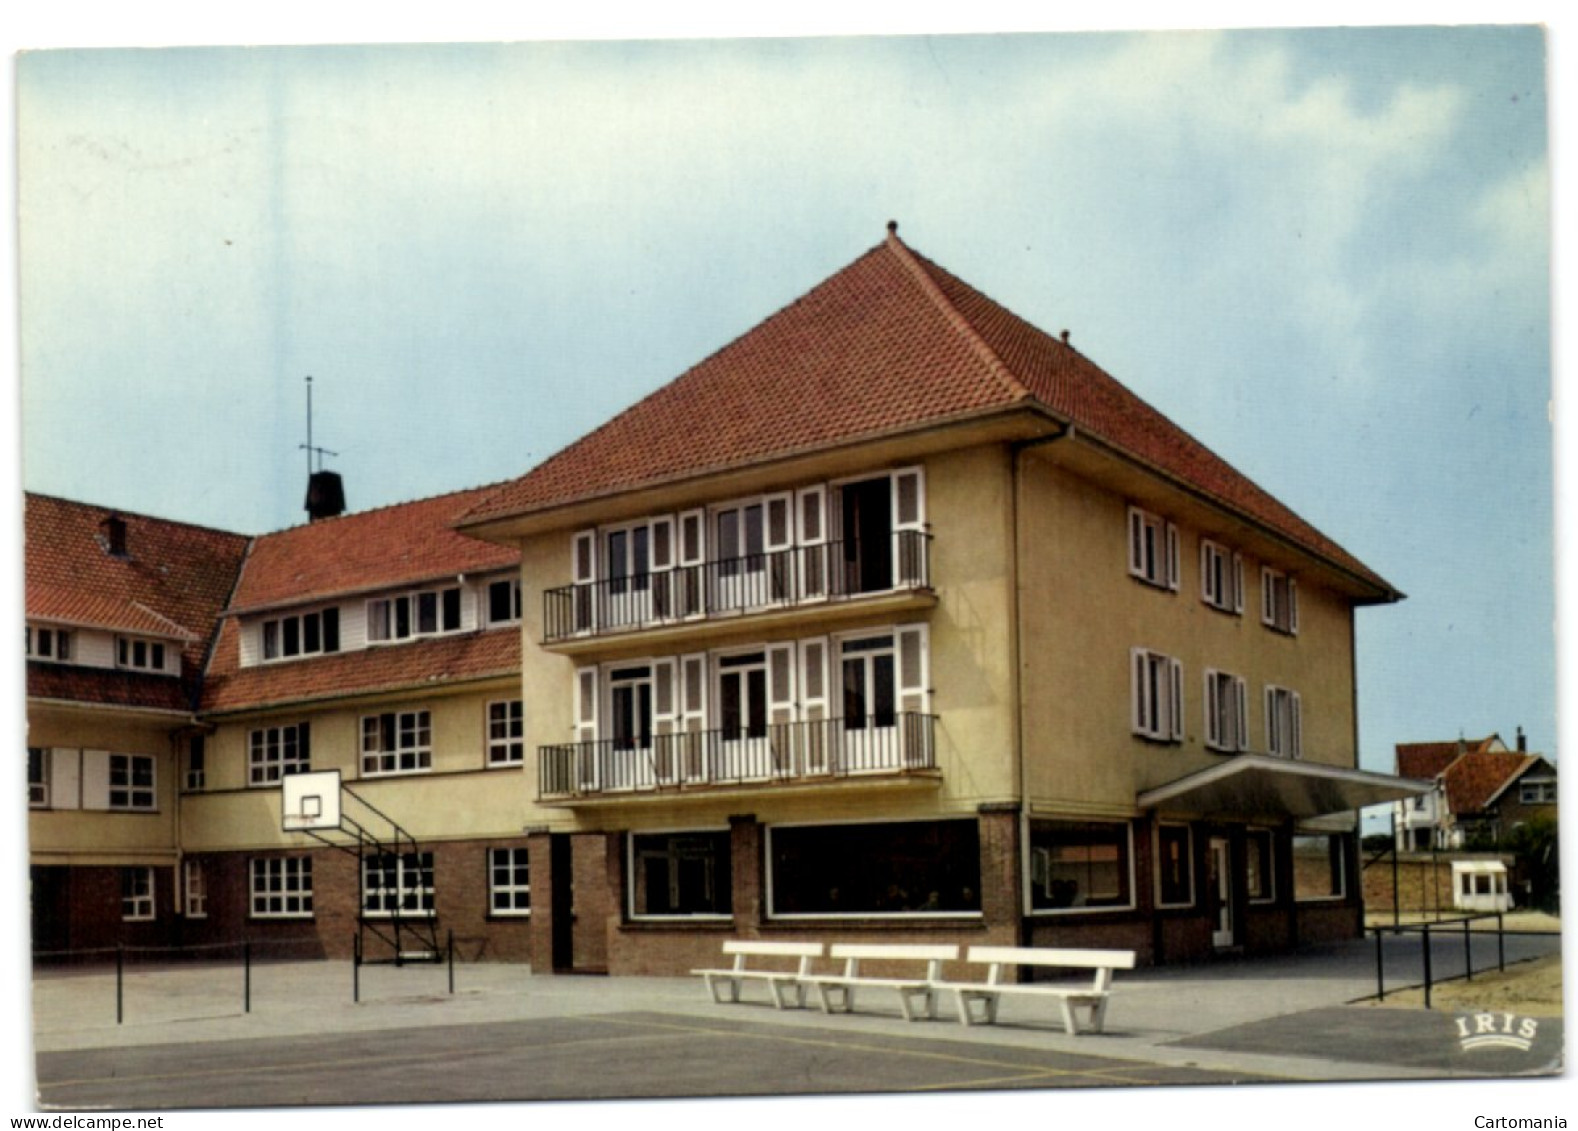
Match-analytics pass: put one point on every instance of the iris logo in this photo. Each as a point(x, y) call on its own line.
point(1496, 1030)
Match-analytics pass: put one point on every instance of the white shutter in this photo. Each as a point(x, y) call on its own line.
point(813, 703)
point(95, 779)
point(1213, 711)
point(811, 522)
point(692, 562)
point(782, 734)
point(778, 541)
point(661, 557)
point(1206, 574)
point(65, 779)
point(583, 567)
point(1173, 572)
point(1295, 711)
point(1136, 542)
point(914, 695)
point(1138, 707)
point(693, 716)
point(909, 527)
point(586, 705)
point(1293, 606)
point(1238, 583)
point(1267, 597)
point(1272, 745)
point(1175, 707)
point(251, 644)
point(1241, 714)
point(665, 720)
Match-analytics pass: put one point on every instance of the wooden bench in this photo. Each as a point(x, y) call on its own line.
point(780, 981)
point(837, 991)
point(1092, 997)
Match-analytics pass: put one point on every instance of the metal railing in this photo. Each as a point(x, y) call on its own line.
point(1439, 928)
point(818, 750)
point(830, 571)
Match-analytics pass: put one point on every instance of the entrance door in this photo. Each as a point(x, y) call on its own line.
point(630, 765)
point(866, 514)
point(870, 733)
point(1219, 888)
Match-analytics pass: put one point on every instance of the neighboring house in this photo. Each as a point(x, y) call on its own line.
point(1483, 791)
point(898, 614)
point(121, 611)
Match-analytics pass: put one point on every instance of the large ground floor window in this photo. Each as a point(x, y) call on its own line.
point(894, 868)
point(1318, 867)
point(680, 874)
point(1077, 865)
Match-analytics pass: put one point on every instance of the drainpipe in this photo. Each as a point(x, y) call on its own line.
point(1016, 450)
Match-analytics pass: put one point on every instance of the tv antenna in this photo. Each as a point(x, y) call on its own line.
point(307, 447)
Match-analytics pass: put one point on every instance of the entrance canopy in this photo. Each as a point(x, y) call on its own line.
point(1255, 785)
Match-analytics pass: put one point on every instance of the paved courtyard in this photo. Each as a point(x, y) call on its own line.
point(506, 1035)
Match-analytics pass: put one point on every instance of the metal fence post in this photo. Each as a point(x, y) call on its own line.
point(120, 978)
point(1501, 944)
point(356, 968)
point(1380, 969)
point(1468, 950)
point(1427, 965)
point(246, 962)
point(451, 961)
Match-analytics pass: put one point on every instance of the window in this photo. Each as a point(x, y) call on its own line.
point(1279, 601)
point(397, 742)
point(196, 888)
point(1318, 867)
point(1257, 865)
point(1537, 792)
point(196, 763)
point(37, 777)
point(302, 634)
point(1153, 549)
point(504, 601)
point(891, 868)
point(1283, 724)
point(413, 614)
point(1077, 865)
point(506, 738)
point(1157, 695)
point(1221, 577)
point(131, 782)
point(139, 655)
point(274, 752)
point(679, 874)
point(1226, 712)
point(397, 883)
point(1174, 867)
point(136, 894)
point(48, 644)
point(282, 887)
point(509, 881)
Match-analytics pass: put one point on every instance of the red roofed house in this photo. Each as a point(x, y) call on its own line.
point(1482, 791)
point(898, 615)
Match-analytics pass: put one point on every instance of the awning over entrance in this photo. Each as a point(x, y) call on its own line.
point(1256, 785)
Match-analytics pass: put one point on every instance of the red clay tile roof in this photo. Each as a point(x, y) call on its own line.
point(415, 666)
point(891, 343)
point(173, 581)
point(1424, 760)
point(106, 687)
point(1472, 780)
point(395, 545)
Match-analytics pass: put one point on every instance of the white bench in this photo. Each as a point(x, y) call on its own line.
point(1092, 997)
point(780, 981)
point(837, 991)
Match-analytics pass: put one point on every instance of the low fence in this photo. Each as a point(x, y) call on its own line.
point(1449, 927)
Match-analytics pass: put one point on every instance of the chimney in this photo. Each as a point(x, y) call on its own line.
point(114, 535)
point(325, 495)
point(1523, 742)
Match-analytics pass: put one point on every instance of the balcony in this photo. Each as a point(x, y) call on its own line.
point(825, 750)
point(756, 583)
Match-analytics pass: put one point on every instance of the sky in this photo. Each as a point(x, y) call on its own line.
point(1324, 252)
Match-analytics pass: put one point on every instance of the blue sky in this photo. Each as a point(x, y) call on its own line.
point(1324, 252)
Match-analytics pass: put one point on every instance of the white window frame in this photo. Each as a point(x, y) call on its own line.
point(1284, 723)
point(506, 723)
point(38, 785)
point(1155, 696)
point(630, 871)
point(137, 904)
point(1188, 863)
point(1221, 577)
point(383, 615)
point(486, 597)
point(293, 894)
point(272, 634)
point(510, 890)
point(267, 760)
point(1279, 601)
point(1226, 712)
point(1029, 866)
point(378, 762)
point(194, 885)
point(402, 867)
point(1543, 792)
point(122, 778)
point(46, 642)
point(1153, 549)
point(143, 654)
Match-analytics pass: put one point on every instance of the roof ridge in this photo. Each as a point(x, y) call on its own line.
point(955, 318)
point(157, 615)
point(127, 513)
point(350, 514)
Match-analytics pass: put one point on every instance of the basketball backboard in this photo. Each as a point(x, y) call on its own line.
point(310, 801)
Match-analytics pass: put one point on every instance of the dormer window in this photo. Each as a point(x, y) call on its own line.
point(48, 644)
point(427, 613)
point(301, 634)
point(504, 601)
point(139, 655)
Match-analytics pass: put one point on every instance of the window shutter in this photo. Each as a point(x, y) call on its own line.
point(1206, 574)
point(1293, 606)
point(65, 779)
point(1173, 572)
point(779, 544)
point(1176, 727)
point(583, 569)
point(1267, 597)
point(909, 527)
point(95, 779)
point(1138, 714)
point(1238, 583)
point(693, 716)
point(1241, 714)
point(1213, 711)
point(1272, 745)
point(813, 702)
point(665, 720)
point(811, 516)
point(692, 561)
point(782, 734)
point(1296, 741)
point(586, 705)
point(1136, 543)
point(914, 695)
point(661, 553)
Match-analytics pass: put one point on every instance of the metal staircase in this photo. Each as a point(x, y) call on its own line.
point(396, 921)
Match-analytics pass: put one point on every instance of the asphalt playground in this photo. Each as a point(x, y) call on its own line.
point(187, 1039)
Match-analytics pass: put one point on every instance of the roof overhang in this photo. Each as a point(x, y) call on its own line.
point(1256, 785)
